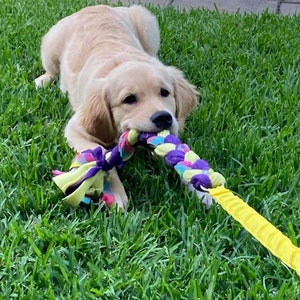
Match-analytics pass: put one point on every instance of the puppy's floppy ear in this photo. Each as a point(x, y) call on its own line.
point(96, 117)
point(185, 96)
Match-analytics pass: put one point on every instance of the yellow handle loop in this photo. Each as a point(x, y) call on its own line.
point(268, 235)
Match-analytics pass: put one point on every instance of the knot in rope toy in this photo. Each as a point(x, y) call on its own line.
point(88, 182)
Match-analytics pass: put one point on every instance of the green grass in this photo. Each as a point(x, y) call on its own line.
point(167, 246)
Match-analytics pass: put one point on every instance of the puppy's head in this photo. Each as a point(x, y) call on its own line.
point(141, 96)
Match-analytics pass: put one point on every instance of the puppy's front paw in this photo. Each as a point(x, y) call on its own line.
point(204, 197)
point(117, 190)
point(43, 80)
point(121, 201)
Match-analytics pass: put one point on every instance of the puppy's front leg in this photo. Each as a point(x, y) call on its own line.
point(79, 139)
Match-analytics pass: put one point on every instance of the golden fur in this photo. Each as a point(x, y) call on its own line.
point(106, 60)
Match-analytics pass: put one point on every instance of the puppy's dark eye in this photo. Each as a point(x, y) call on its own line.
point(164, 93)
point(131, 99)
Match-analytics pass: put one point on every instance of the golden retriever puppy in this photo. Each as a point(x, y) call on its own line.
point(106, 61)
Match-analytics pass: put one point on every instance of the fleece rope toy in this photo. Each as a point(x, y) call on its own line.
point(88, 181)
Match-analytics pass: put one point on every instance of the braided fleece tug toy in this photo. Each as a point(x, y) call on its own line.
point(88, 181)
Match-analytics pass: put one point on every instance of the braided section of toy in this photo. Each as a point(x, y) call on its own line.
point(187, 163)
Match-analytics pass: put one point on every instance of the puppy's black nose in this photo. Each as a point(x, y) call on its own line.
point(162, 119)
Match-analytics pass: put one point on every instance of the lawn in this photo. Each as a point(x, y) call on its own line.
point(166, 246)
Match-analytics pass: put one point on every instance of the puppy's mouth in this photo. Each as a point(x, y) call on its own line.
point(158, 121)
point(152, 129)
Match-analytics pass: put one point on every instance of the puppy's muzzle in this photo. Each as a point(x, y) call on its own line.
point(162, 119)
